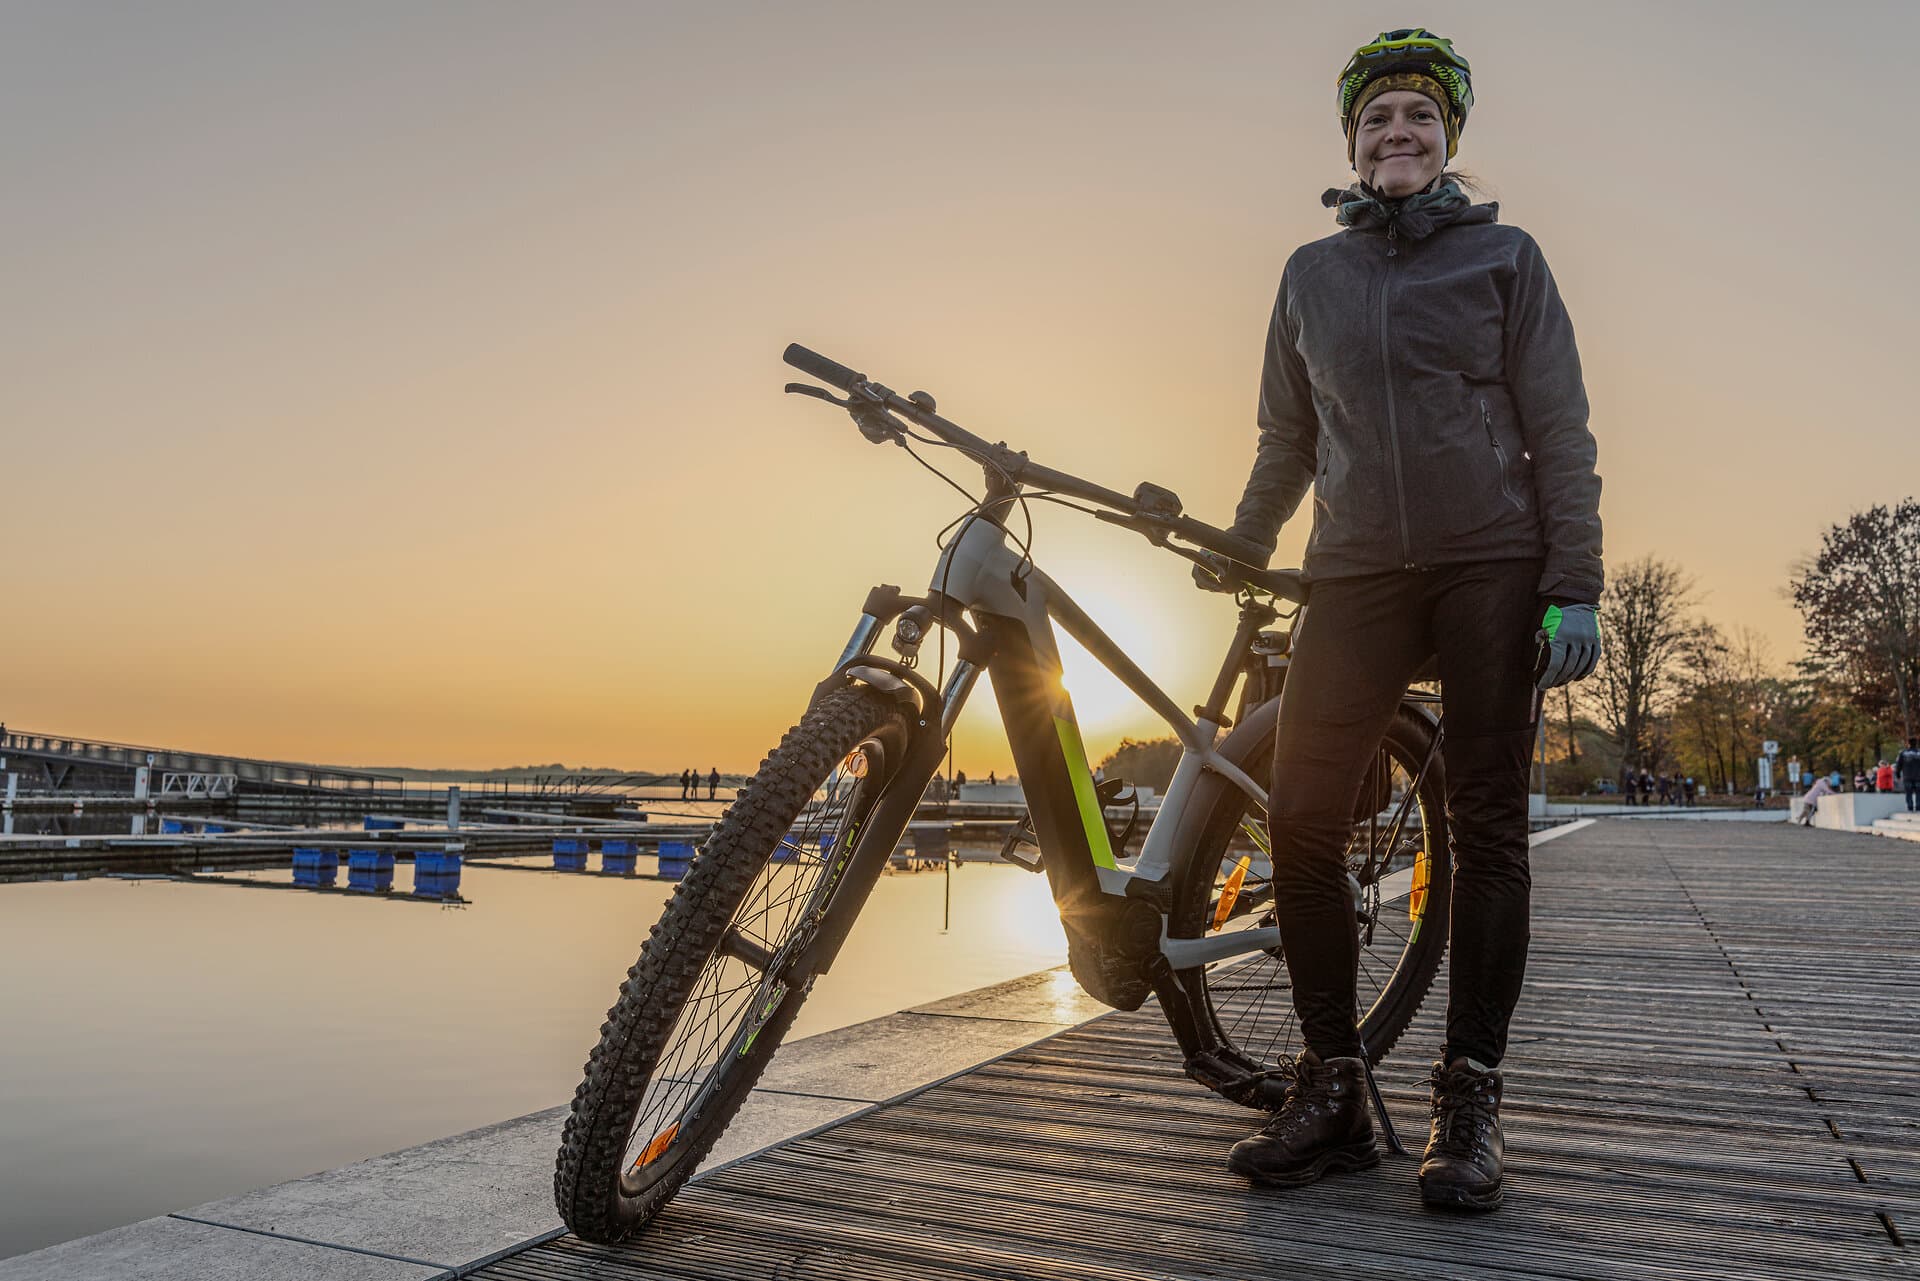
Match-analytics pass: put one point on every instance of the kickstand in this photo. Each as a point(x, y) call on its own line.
point(1380, 1111)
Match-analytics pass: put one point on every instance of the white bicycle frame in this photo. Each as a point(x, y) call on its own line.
point(980, 570)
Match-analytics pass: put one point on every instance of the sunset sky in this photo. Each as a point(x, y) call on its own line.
point(401, 383)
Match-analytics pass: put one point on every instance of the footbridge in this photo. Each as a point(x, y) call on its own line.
point(59, 763)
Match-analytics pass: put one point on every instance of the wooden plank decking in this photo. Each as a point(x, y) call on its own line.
point(1714, 1073)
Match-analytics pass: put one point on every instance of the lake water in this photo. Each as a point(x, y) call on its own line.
point(166, 1043)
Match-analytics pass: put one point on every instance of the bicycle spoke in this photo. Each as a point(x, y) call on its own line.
point(1252, 1000)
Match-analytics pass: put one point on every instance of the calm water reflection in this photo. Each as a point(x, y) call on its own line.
point(164, 1044)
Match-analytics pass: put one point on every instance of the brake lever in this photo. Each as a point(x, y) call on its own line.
point(818, 393)
point(873, 421)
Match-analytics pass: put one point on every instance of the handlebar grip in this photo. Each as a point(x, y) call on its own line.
point(827, 371)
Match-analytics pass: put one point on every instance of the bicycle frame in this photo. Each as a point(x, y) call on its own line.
point(1016, 605)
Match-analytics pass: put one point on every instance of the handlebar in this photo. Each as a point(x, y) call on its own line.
point(1151, 511)
point(830, 372)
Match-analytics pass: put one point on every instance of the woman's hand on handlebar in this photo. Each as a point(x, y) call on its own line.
point(1211, 574)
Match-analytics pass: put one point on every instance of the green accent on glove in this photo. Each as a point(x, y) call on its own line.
point(1569, 640)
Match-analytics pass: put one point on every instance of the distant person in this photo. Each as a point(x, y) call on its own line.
point(992, 781)
point(1907, 765)
point(1687, 789)
point(1833, 780)
point(959, 779)
point(686, 783)
point(1811, 801)
point(1883, 777)
point(1646, 788)
point(1666, 789)
point(713, 783)
point(1859, 781)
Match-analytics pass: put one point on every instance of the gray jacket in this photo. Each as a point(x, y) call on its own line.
point(1421, 375)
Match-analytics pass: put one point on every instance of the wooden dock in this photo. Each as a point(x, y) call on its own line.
point(1714, 1073)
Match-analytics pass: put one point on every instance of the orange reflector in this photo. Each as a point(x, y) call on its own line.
point(661, 1142)
point(1230, 892)
point(1417, 900)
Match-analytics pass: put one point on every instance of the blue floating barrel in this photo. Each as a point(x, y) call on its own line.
point(212, 829)
point(370, 871)
point(617, 856)
point(436, 874)
point(569, 854)
point(374, 823)
point(316, 868)
point(171, 827)
point(788, 849)
point(675, 856)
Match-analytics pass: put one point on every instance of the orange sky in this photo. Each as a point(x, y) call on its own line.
point(403, 385)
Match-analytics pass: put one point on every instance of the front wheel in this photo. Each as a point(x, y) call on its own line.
point(723, 974)
point(1240, 1011)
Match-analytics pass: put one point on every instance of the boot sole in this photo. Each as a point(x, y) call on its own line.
point(1340, 1160)
point(1455, 1196)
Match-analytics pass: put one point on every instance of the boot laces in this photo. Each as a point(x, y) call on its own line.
point(1312, 1090)
point(1466, 1105)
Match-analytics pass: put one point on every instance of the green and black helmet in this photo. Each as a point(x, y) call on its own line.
point(1396, 56)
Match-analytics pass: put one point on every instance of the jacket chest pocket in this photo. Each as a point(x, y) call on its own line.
point(1508, 490)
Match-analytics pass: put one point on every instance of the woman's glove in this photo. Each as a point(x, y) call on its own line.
point(1210, 579)
point(1569, 638)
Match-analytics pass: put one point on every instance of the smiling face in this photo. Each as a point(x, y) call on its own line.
point(1399, 143)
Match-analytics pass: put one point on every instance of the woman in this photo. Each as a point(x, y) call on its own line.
point(1421, 375)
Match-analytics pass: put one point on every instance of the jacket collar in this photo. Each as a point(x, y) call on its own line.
point(1415, 217)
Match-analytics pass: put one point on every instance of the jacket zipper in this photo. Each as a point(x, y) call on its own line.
point(1393, 424)
point(1500, 455)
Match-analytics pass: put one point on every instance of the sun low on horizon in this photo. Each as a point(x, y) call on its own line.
point(403, 387)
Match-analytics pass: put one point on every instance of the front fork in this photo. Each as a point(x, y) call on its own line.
point(930, 717)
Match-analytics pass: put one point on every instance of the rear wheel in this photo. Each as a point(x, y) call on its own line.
point(1398, 863)
point(723, 974)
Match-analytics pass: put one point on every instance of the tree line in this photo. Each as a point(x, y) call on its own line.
point(1676, 693)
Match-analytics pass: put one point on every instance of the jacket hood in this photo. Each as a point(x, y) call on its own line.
point(1361, 208)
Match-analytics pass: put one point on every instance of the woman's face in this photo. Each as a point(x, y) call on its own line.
point(1401, 143)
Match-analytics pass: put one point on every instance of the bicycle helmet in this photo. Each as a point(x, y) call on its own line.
point(1410, 58)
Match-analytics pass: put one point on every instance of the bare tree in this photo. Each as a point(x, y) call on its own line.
point(1730, 699)
point(1860, 600)
point(1647, 630)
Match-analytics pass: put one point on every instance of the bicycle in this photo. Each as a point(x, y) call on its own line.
point(776, 887)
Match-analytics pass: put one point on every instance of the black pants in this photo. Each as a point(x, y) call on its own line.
point(1359, 642)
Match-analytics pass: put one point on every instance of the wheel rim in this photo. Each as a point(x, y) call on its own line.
point(1389, 863)
point(748, 976)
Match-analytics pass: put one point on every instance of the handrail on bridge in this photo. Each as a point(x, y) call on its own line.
point(133, 756)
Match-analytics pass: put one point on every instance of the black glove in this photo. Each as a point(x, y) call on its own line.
point(1569, 639)
point(1208, 577)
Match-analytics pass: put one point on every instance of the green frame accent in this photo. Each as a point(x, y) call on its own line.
point(1091, 817)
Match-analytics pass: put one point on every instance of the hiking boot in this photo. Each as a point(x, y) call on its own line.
point(1465, 1154)
point(1322, 1128)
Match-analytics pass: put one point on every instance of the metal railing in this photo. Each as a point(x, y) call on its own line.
point(131, 756)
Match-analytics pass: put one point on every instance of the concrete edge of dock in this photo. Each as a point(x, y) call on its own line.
point(443, 1208)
